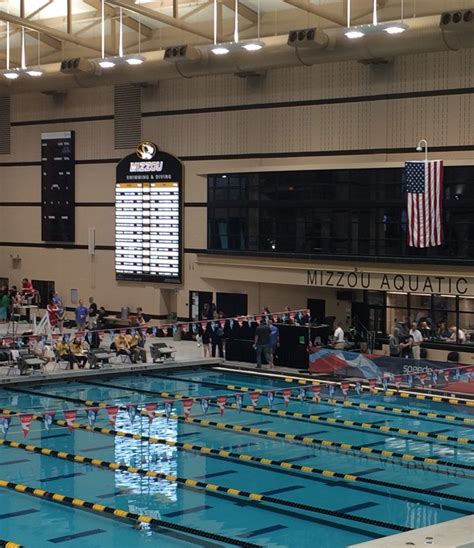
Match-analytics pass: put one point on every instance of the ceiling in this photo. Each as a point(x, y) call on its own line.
point(58, 29)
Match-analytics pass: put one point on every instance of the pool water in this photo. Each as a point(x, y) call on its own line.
point(296, 512)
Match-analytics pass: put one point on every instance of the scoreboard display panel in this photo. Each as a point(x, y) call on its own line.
point(148, 217)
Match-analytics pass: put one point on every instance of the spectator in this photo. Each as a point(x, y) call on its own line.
point(53, 314)
point(394, 343)
point(425, 330)
point(101, 315)
point(274, 341)
point(457, 335)
point(56, 299)
point(77, 350)
point(205, 334)
point(262, 343)
point(217, 337)
point(92, 313)
point(121, 345)
point(443, 331)
point(138, 319)
point(339, 341)
point(4, 305)
point(81, 315)
point(63, 352)
point(416, 340)
point(27, 287)
point(133, 342)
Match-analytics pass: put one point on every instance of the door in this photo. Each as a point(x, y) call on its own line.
point(45, 289)
point(360, 314)
point(232, 304)
point(196, 303)
point(317, 309)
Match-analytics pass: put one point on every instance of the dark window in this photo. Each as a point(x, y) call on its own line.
point(340, 212)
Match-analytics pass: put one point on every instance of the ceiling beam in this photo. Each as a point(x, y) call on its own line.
point(161, 17)
point(244, 11)
point(47, 31)
point(127, 21)
point(324, 13)
point(197, 9)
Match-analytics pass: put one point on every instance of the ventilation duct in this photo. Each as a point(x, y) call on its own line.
point(5, 125)
point(424, 35)
point(127, 116)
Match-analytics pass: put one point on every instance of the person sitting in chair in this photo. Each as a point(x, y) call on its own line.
point(77, 350)
point(137, 353)
point(63, 353)
point(121, 345)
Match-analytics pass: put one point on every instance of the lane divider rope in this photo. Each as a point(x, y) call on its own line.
point(9, 544)
point(118, 513)
point(314, 418)
point(191, 483)
point(329, 401)
point(301, 438)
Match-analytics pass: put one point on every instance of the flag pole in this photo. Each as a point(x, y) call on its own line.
point(423, 143)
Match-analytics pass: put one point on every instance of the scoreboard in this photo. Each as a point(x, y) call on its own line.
point(148, 223)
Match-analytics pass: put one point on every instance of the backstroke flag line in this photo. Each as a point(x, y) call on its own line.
point(424, 188)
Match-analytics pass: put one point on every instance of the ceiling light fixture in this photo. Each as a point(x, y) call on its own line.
point(104, 63)
point(35, 72)
point(134, 59)
point(397, 28)
point(255, 45)
point(10, 74)
point(352, 33)
point(217, 49)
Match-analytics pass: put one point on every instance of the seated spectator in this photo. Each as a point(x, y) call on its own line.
point(138, 319)
point(443, 331)
point(457, 335)
point(77, 350)
point(121, 345)
point(425, 331)
point(63, 353)
point(27, 287)
point(137, 353)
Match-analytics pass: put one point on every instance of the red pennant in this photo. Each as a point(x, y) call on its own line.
point(287, 396)
point(222, 324)
point(398, 381)
point(112, 414)
point(316, 393)
point(150, 409)
point(187, 406)
point(184, 328)
point(221, 401)
point(79, 334)
point(254, 396)
point(258, 318)
point(345, 389)
point(26, 421)
point(101, 333)
point(144, 332)
point(70, 417)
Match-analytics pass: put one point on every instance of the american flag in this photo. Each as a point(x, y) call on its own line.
point(424, 187)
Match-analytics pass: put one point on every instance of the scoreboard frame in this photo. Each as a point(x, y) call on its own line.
point(149, 165)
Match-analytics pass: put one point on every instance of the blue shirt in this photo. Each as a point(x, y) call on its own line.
point(81, 314)
point(274, 335)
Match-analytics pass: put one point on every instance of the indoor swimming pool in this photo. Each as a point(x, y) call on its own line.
point(281, 470)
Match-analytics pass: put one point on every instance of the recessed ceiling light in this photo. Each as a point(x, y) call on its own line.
point(397, 28)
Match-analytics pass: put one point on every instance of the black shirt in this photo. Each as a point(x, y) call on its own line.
point(262, 334)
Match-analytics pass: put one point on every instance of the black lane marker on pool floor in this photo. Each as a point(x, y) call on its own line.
point(19, 513)
point(283, 490)
point(62, 476)
point(75, 536)
point(361, 506)
point(263, 531)
point(188, 511)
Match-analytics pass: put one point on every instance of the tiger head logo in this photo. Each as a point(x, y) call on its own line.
point(146, 151)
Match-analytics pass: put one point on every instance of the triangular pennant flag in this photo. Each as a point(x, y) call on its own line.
point(150, 409)
point(372, 385)
point(221, 401)
point(132, 411)
point(422, 377)
point(270, 398)
point(254, 397)
point(48, 417)
point(469, 371)
point(154, 331)
point(112, 413)
point(384, 383)
point(316, 393)
point(144, 332)
point(286, 396)
point(457, 374)
point(187, 407)
point(168, 407)
point(358, 388)
point(410, 380)
point(26, 421)
point(345, 389)
point(239, 400)
point(70, 416)
point(434, 377)
point(89, 337)
point(205, 405)
point(301, 394)
point(5, 421)
point(92, 413)
point(101, 334)
point(331, 391)
point(222, 324)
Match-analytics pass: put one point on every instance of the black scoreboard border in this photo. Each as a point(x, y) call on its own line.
point(120, 174)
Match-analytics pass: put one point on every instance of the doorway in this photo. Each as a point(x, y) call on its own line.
point(317, 308)
point(197, 299)
point(232, 304)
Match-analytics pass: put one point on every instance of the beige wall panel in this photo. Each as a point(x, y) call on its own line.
point(20, 184)
point(100, 218)
point(195, 227)
point(96, 182)
point(21, 224)
point(78, 103)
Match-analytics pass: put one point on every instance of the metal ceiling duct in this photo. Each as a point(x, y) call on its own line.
point(424, 35)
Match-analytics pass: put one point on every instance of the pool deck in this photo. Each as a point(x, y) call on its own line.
point(457, 533)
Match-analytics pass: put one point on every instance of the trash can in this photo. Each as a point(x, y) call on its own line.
point(177, 333)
